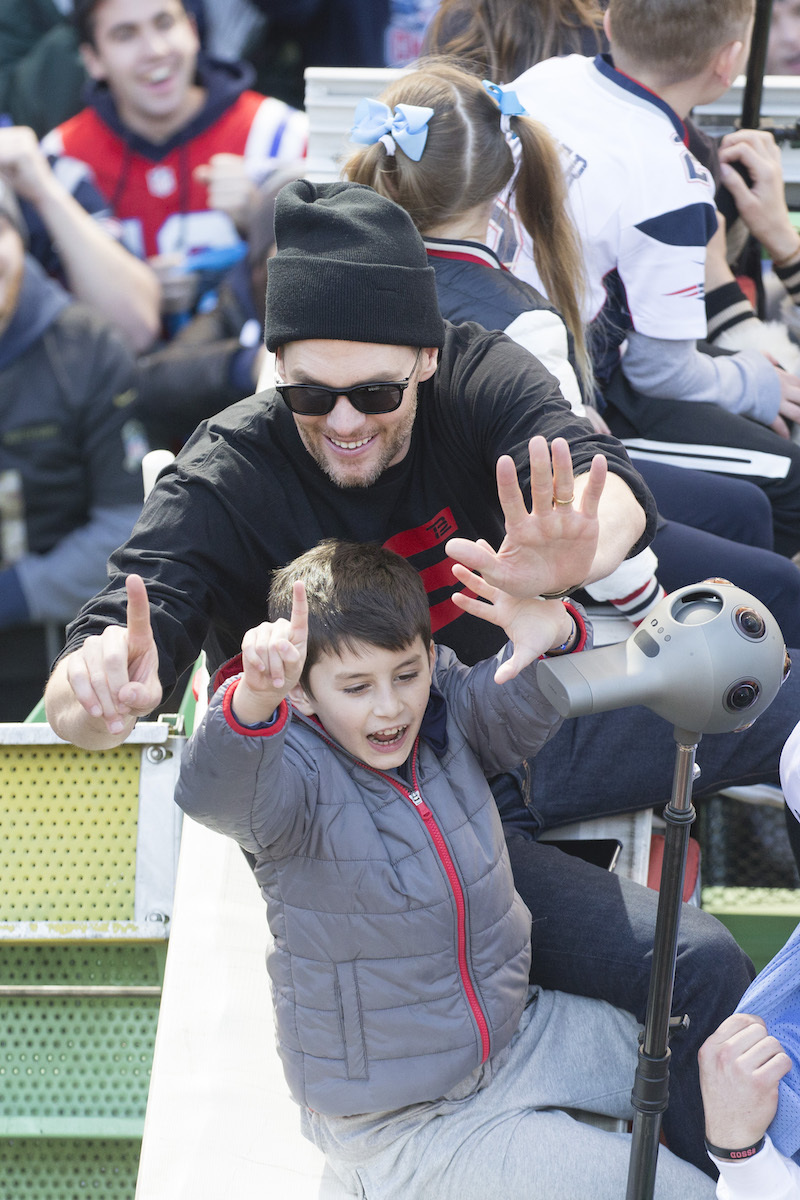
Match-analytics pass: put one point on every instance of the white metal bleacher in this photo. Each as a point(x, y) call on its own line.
point(220, 1124)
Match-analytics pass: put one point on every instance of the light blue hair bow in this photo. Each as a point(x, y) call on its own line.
point(509, 104)
point(507, 101)
point(406, 127)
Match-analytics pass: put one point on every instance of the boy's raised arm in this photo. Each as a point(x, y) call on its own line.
point(534, 626)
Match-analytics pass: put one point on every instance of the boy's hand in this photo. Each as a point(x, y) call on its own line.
point(552, 547)
point(534, 626)
point(273, 656)
point(740, 1069)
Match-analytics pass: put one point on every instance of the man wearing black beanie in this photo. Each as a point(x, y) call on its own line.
point(386, 426)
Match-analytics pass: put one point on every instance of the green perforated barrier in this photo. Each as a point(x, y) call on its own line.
point(82, 953)
point(68, 832)
point(57, 1170)
point(76, 1049)
point(76, 1044)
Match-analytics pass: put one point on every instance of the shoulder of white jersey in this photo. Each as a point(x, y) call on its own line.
point(277, 131)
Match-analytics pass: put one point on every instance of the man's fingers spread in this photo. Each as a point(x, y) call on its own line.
point(590, 498)
point(509, 494)
point(542, 483)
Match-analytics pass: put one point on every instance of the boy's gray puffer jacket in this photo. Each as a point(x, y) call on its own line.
point(401, 950)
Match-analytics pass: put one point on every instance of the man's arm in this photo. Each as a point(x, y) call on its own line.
point(503, 398)
point(98, 270)
point(621, 524)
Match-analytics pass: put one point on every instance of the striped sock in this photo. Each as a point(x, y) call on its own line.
point(638, 604)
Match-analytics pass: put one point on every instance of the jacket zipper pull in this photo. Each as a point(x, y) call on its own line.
point(420, 804)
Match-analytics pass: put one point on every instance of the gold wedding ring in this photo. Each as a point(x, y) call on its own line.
point(557, 501)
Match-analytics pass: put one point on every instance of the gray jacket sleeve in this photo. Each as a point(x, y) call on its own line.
point(57, 583)
point(745, 383)
point(502, 723)
point(255, 789)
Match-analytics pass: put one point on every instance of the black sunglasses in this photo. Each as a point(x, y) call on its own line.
point(372, 399)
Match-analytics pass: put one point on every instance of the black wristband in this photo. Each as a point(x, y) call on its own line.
point(736, 1155)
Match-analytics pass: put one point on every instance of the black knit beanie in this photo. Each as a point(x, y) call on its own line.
point(350, 266)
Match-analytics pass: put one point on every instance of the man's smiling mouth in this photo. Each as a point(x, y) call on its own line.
point(351, 445)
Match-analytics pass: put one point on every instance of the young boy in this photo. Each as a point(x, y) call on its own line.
point(350, 756)
point(644, 207)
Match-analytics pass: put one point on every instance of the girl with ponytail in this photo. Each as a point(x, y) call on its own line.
point(475, 141)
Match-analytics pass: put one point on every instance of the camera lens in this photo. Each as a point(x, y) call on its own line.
point(750, 622)
point(742, 695)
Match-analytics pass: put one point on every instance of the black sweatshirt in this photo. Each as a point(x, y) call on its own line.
point(244, 497)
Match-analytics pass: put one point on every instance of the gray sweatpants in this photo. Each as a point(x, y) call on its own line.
point(502, 1133)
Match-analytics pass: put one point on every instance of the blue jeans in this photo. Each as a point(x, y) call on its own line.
point(593, 936)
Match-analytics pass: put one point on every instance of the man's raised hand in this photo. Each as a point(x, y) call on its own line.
point(552, 547)
point(114, 675)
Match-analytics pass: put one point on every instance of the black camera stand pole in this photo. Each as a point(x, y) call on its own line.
point(650, 1093)
point(754, 85)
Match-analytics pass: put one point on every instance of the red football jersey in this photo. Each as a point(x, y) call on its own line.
point(161, 207)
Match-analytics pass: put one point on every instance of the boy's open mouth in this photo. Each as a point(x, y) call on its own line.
point(388, 737)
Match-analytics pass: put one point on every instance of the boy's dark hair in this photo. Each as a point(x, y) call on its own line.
point(676, 38)
point(356, 593)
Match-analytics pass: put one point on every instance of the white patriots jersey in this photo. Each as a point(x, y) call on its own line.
point(642, 203)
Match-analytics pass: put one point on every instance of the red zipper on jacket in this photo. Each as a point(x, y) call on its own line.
point(437, 838)
point(444, 854)
point(440, 845)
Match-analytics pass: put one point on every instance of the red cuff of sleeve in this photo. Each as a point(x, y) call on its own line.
point(580, 624)
point(275, 726)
